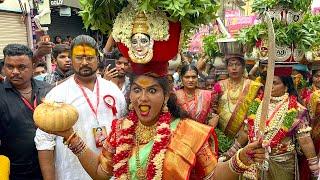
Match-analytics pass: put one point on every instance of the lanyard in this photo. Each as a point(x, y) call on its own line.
point(95, 111)
point(27, 103)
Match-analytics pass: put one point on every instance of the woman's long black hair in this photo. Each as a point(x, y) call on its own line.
point(187, 68)
point(288, 82)
point(175, 110)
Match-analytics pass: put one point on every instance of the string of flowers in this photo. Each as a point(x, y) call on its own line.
point(123, 141)
point(286, 125)
point(161, 141)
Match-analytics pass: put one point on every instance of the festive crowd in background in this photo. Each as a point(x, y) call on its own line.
point(141, 107)
point(228, 102)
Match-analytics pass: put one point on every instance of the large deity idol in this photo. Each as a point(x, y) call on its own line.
point(141, 49)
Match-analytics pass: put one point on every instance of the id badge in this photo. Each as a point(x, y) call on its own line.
point(100, 135)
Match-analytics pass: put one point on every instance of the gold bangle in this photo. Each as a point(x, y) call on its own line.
point(108, 173)
point(239, 162)
point(67, 142)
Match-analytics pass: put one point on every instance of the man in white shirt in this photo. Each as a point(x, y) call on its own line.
point(94, 98)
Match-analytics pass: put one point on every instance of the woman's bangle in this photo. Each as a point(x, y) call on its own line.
point(241, 164)
point(234, 148)
point(79, 147)
point(236, 165)
point(108, 173)
point(67, 142)
point(82, 150)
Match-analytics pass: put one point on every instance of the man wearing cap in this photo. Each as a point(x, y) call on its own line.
point(233, 95)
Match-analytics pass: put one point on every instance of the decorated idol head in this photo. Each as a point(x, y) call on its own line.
point(141, 49)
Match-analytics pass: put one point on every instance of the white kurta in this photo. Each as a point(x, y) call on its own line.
point(67, 164)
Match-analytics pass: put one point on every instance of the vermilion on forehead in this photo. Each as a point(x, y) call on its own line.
point(145, 82)
point(81, 50)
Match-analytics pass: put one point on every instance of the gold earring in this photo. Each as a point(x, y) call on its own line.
point(130, 107)
point(165, 108)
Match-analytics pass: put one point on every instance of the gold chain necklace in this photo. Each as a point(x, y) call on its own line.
point(236, 91)
point(141, 172)
point(144, 134)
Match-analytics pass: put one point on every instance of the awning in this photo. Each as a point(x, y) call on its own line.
point(69, 3)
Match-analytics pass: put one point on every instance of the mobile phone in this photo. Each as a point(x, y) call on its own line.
point(42, 36)
point(45, 38)
point(111, 62)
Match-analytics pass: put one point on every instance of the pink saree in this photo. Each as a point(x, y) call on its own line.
point(199, 107)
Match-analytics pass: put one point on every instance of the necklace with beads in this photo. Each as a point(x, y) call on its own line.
point(280, 98)
point(127, 140)
point(276, 116)
point(140, 170)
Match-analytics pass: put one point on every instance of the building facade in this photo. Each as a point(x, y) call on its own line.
point(13, 25)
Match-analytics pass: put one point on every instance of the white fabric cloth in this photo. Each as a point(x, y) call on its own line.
point(126, 86)
point(67, 164)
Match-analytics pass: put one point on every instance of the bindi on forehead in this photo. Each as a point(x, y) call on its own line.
point(84, 50)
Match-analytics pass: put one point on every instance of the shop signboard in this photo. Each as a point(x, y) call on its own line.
point(56, 2)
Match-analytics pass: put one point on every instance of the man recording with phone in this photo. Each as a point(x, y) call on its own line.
point(117, 71)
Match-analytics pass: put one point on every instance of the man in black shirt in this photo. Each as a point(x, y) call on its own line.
point(19, 95)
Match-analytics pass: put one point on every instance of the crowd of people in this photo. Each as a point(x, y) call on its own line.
point(145, 110)
point(124, 114)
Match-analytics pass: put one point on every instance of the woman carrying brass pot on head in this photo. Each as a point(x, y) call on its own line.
point(231, 98)
point(286, 125)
